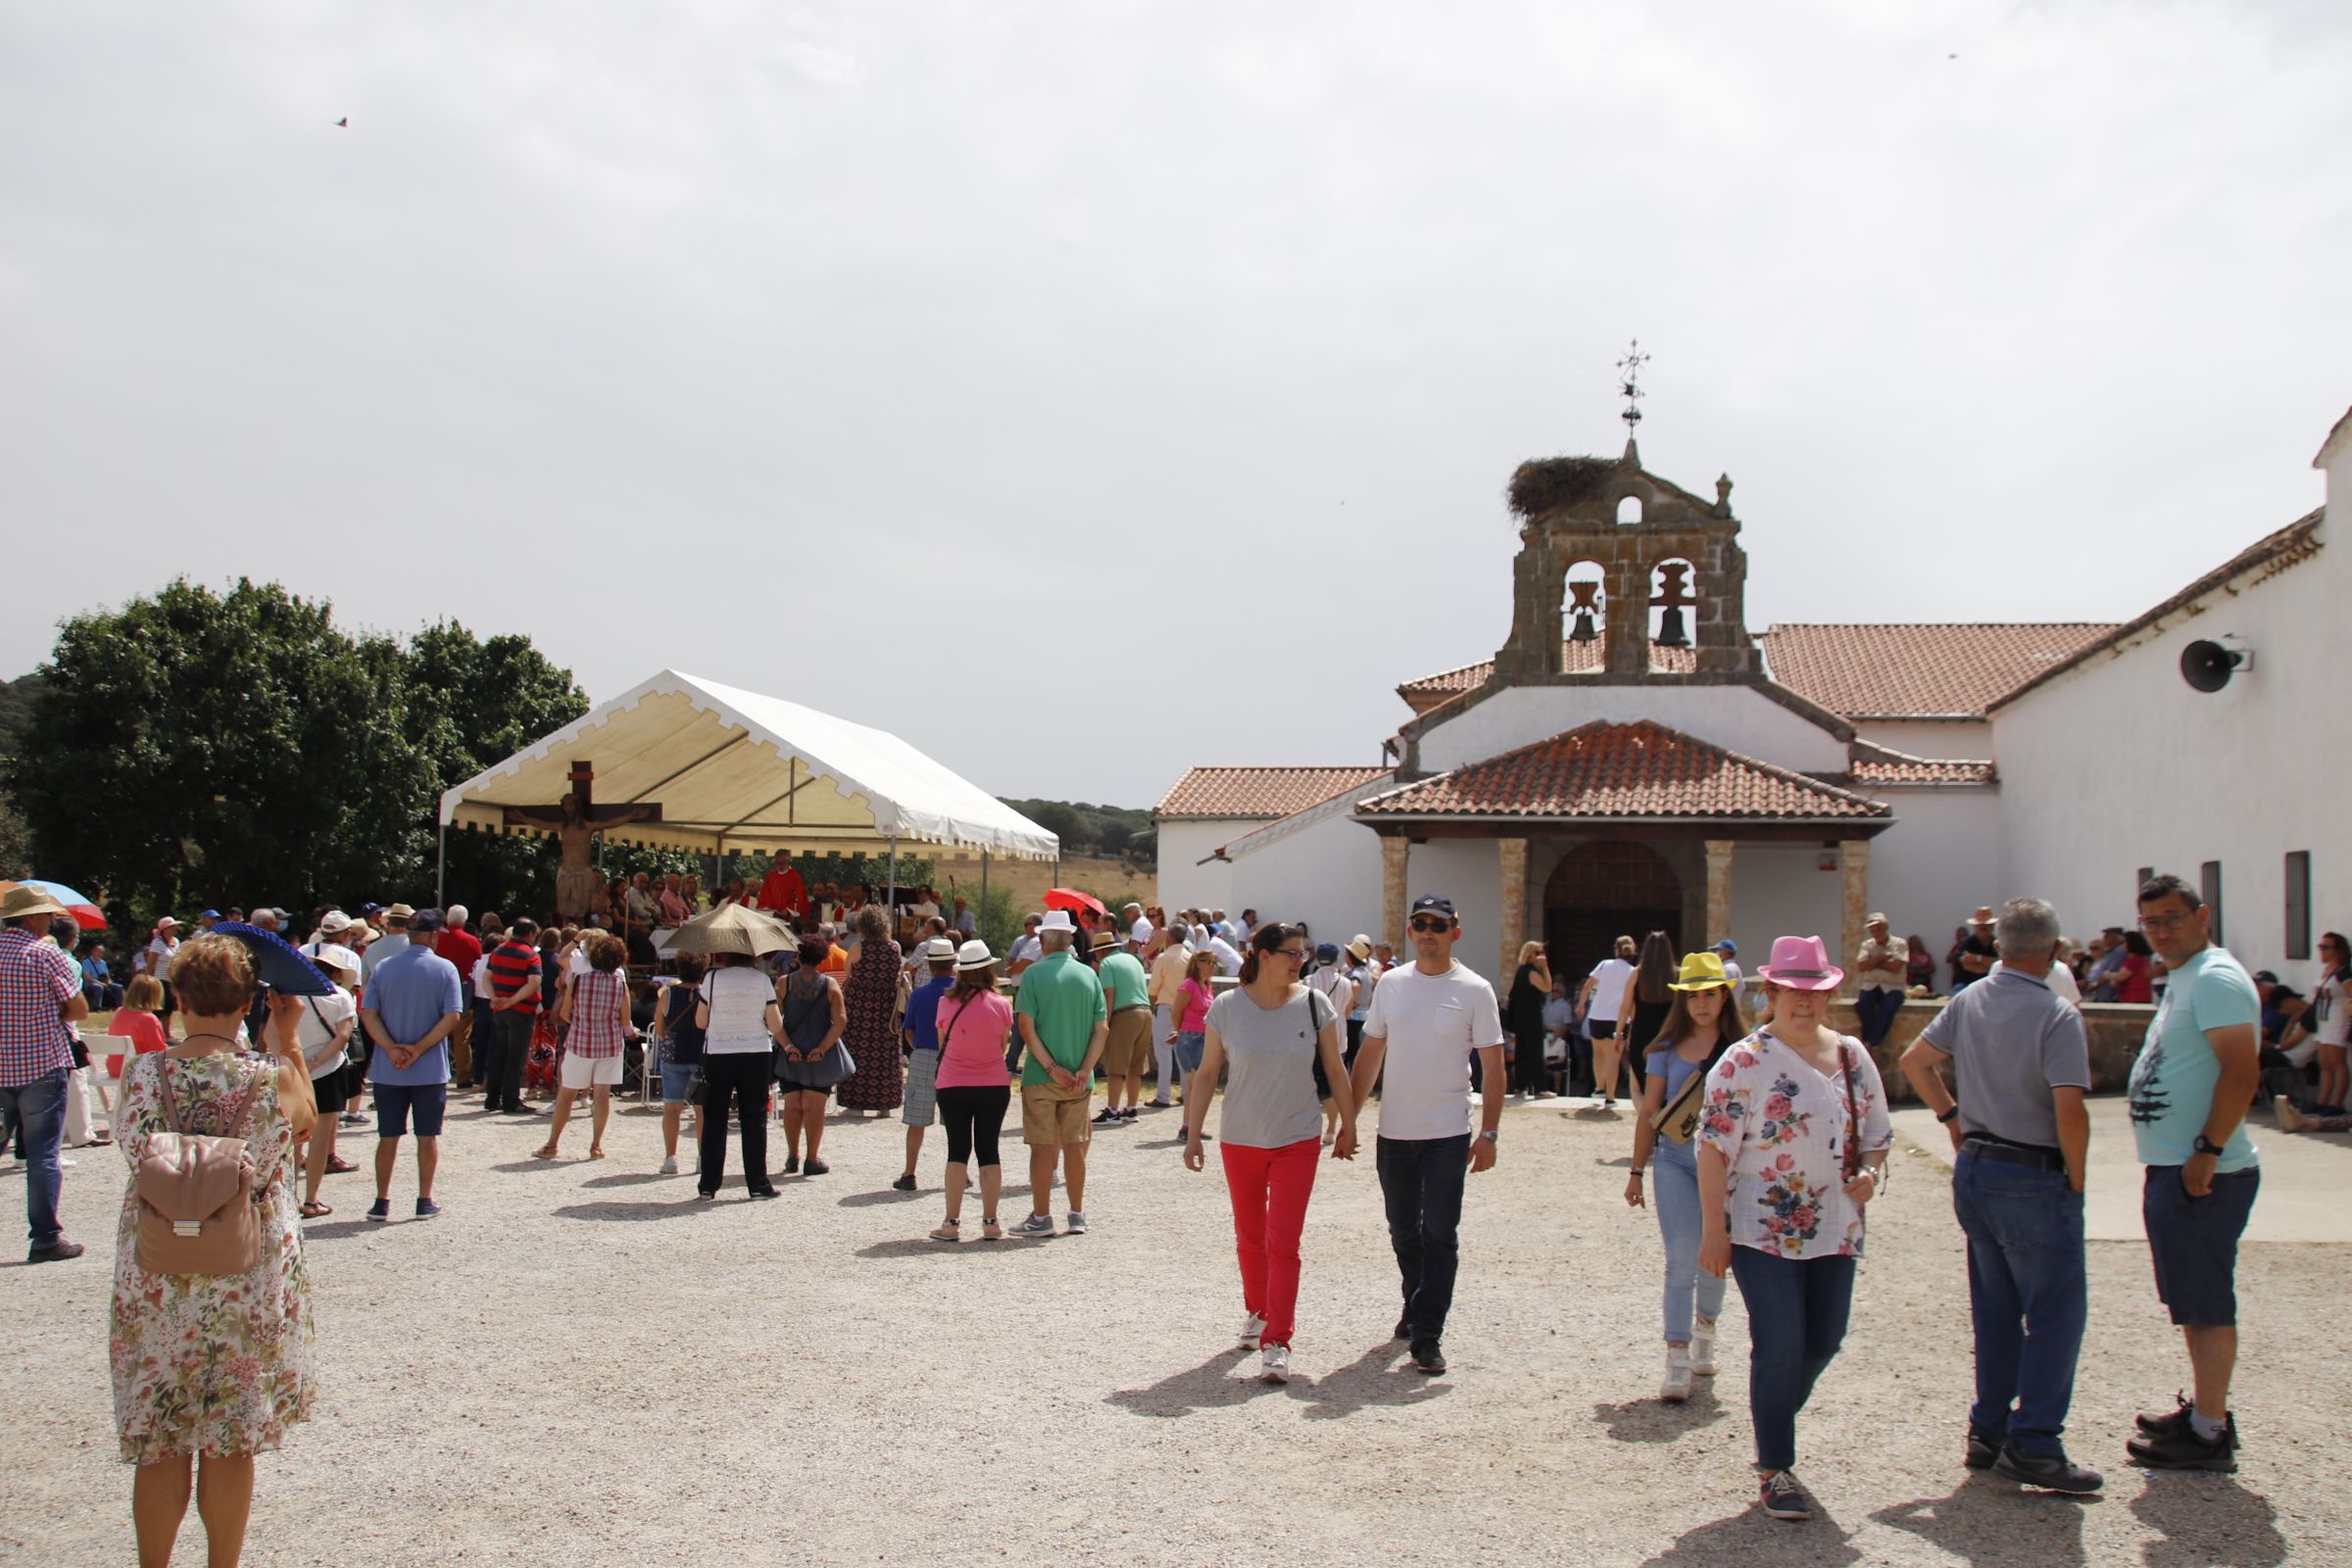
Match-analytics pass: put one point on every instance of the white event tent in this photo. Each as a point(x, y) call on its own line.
point(733, 770)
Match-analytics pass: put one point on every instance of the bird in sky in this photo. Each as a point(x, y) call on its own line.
point(344, 122)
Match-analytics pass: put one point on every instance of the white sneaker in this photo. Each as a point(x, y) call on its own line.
point(1077, 1224)
point(1677, 1387)
point(1251, 1327)
point(669, 1166)
point(1274, 1363)
point(1702, 1348)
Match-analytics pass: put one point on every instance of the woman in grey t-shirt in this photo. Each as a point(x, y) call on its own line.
point(1273, 1032)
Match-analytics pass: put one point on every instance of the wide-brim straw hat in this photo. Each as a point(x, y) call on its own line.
point(1803, 964)
point(23, 903)
point(1359, 948)
point(974, 954)
point(1702, 971)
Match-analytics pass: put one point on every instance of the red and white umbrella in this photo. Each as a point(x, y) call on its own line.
point(85, 914)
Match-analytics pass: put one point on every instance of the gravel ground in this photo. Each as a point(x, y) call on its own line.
point(579, 1364)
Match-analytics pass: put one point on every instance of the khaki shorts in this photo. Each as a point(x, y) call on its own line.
point(1054, 1118)
point(1128, 1051)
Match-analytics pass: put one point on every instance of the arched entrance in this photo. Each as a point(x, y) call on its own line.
point(1601, 891)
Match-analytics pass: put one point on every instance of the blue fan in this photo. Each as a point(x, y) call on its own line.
point(276, 963)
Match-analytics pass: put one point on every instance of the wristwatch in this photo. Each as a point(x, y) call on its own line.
point(2206, 1146)
point(1489, 1137)
point(1949, 1114)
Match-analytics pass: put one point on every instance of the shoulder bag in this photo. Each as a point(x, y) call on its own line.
point(1677, 1121)
point(1854, 1112)
point(196, 1213)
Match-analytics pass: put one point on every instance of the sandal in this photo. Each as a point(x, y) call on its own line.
point(544, 1152)
point(337, 1166)
point(596, 1151)
point(314, 1209)
point(949, 1230)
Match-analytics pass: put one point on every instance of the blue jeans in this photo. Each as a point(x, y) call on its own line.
point(1674, 1193)
point(1796, 1311)
point(1874, 1012)
point(39, 1108)
point(2027, 1295)
point(1421, 1181)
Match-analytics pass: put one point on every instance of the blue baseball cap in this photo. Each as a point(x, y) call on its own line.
point(210, 915)
point(1728, 947)
point(1328, 951)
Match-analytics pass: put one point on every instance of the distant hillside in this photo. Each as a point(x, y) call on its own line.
point(15, 703)
point(1116, 832)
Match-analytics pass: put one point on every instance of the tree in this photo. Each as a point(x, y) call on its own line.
point(195, 741)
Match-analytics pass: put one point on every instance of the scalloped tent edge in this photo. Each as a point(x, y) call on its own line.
point(736, 771)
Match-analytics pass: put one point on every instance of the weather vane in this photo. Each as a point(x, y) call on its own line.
point(1628, 374)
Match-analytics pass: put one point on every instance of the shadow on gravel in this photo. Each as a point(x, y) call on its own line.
point(924, 1247)
point(635, 1178)
point(1750, 1538)
point(1989, 1517)
point(538, 1165)
point(1657, 1421)
point(612, 1211)
point(885, 1195)
point(335, 1230)
point(1379, 1376)
point(2207, 1518)
point(1211, 1385)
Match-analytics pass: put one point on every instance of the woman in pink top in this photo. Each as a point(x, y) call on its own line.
point(974, 1087)
point(1192, 997)
point(136, 1022)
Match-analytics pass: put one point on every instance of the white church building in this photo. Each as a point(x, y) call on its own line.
point(1633, 759)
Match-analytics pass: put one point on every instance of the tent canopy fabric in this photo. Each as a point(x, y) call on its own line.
point(733, 770)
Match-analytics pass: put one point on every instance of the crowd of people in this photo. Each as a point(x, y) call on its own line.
point(1759, 1149)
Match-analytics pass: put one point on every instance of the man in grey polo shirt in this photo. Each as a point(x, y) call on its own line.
point(2021, 1064)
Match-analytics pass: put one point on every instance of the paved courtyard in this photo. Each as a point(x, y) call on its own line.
point(579, 1364)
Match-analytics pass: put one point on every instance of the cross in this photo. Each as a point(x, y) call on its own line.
point(1629, 378)
point(574, 820)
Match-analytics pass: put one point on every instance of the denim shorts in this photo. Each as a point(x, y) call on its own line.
point(677, 1077)
point(2194, 1242)
point(395, 1101)
point(1189, 1043)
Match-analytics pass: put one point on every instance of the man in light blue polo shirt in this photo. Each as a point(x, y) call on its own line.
point(2195, 1076)
point(415, 998)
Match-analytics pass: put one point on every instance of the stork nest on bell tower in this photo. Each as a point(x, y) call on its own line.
point(1546, 484)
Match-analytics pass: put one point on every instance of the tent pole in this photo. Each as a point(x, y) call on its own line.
point(440, 865)
point(983, 914)
point(890, 893)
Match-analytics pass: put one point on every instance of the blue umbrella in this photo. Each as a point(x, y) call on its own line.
point(276, 963)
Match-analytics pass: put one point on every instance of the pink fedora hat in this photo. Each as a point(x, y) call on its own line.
point(1801, 963)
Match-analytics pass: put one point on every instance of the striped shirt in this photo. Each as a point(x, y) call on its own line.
point(600, 1006)
point(512, 964)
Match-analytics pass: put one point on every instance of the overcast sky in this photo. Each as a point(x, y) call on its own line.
point(869, 354)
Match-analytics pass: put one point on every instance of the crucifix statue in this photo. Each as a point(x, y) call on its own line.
point(575, 821)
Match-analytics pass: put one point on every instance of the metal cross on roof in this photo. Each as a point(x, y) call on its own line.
point(1628, 374)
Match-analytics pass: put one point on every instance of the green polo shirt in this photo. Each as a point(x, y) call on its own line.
point(1064, 999)
point(1123, 976)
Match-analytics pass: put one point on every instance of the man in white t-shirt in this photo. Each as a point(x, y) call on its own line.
point(1139, 929)
point(1229, 956)
point(1603, 996)
point(1426, 1020)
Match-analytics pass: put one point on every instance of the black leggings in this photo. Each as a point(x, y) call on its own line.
point(742, 1078)
point(973, 1116)
point(1528, 1074)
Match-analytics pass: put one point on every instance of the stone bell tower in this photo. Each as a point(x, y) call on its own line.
point(1603, 545)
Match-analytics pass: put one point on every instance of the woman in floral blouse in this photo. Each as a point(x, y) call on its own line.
point(1791, 1148)
point(211, 1369)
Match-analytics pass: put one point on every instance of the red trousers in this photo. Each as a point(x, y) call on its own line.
point(1269, 1188)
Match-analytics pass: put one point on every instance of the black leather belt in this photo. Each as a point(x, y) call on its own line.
point(2015, 1153)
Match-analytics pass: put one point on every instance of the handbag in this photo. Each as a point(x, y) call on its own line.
point(1677, 1121)
point(196, 1213)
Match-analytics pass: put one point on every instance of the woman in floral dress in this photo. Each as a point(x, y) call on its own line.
point(1792, 1146)
point(208, 1369)
point(870, 992)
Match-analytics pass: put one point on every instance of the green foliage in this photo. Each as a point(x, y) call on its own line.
point(1085, 828)
point(1000, 917)
point(841, 870)
point(239, 748)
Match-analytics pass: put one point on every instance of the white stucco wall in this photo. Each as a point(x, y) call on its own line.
point(1184, 884)
point(1941, 858)
point(1327, 873)
point(1777, 890)
point(1961, 740)
point(2121, 764)
point(1468, 871)
point(1739, 718)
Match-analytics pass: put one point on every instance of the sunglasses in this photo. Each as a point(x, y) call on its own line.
point(1427, 924)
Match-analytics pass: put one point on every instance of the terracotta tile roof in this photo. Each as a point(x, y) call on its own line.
point(1258, 791)
point(1918, 670)
point(1614, 772)
point(2259, 561)
point(1574, 658)
point(1877, 764)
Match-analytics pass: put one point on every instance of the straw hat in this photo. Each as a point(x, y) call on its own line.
point(24, 903)
point(1702, 971)
point(974, 954)
point(1359, 947)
